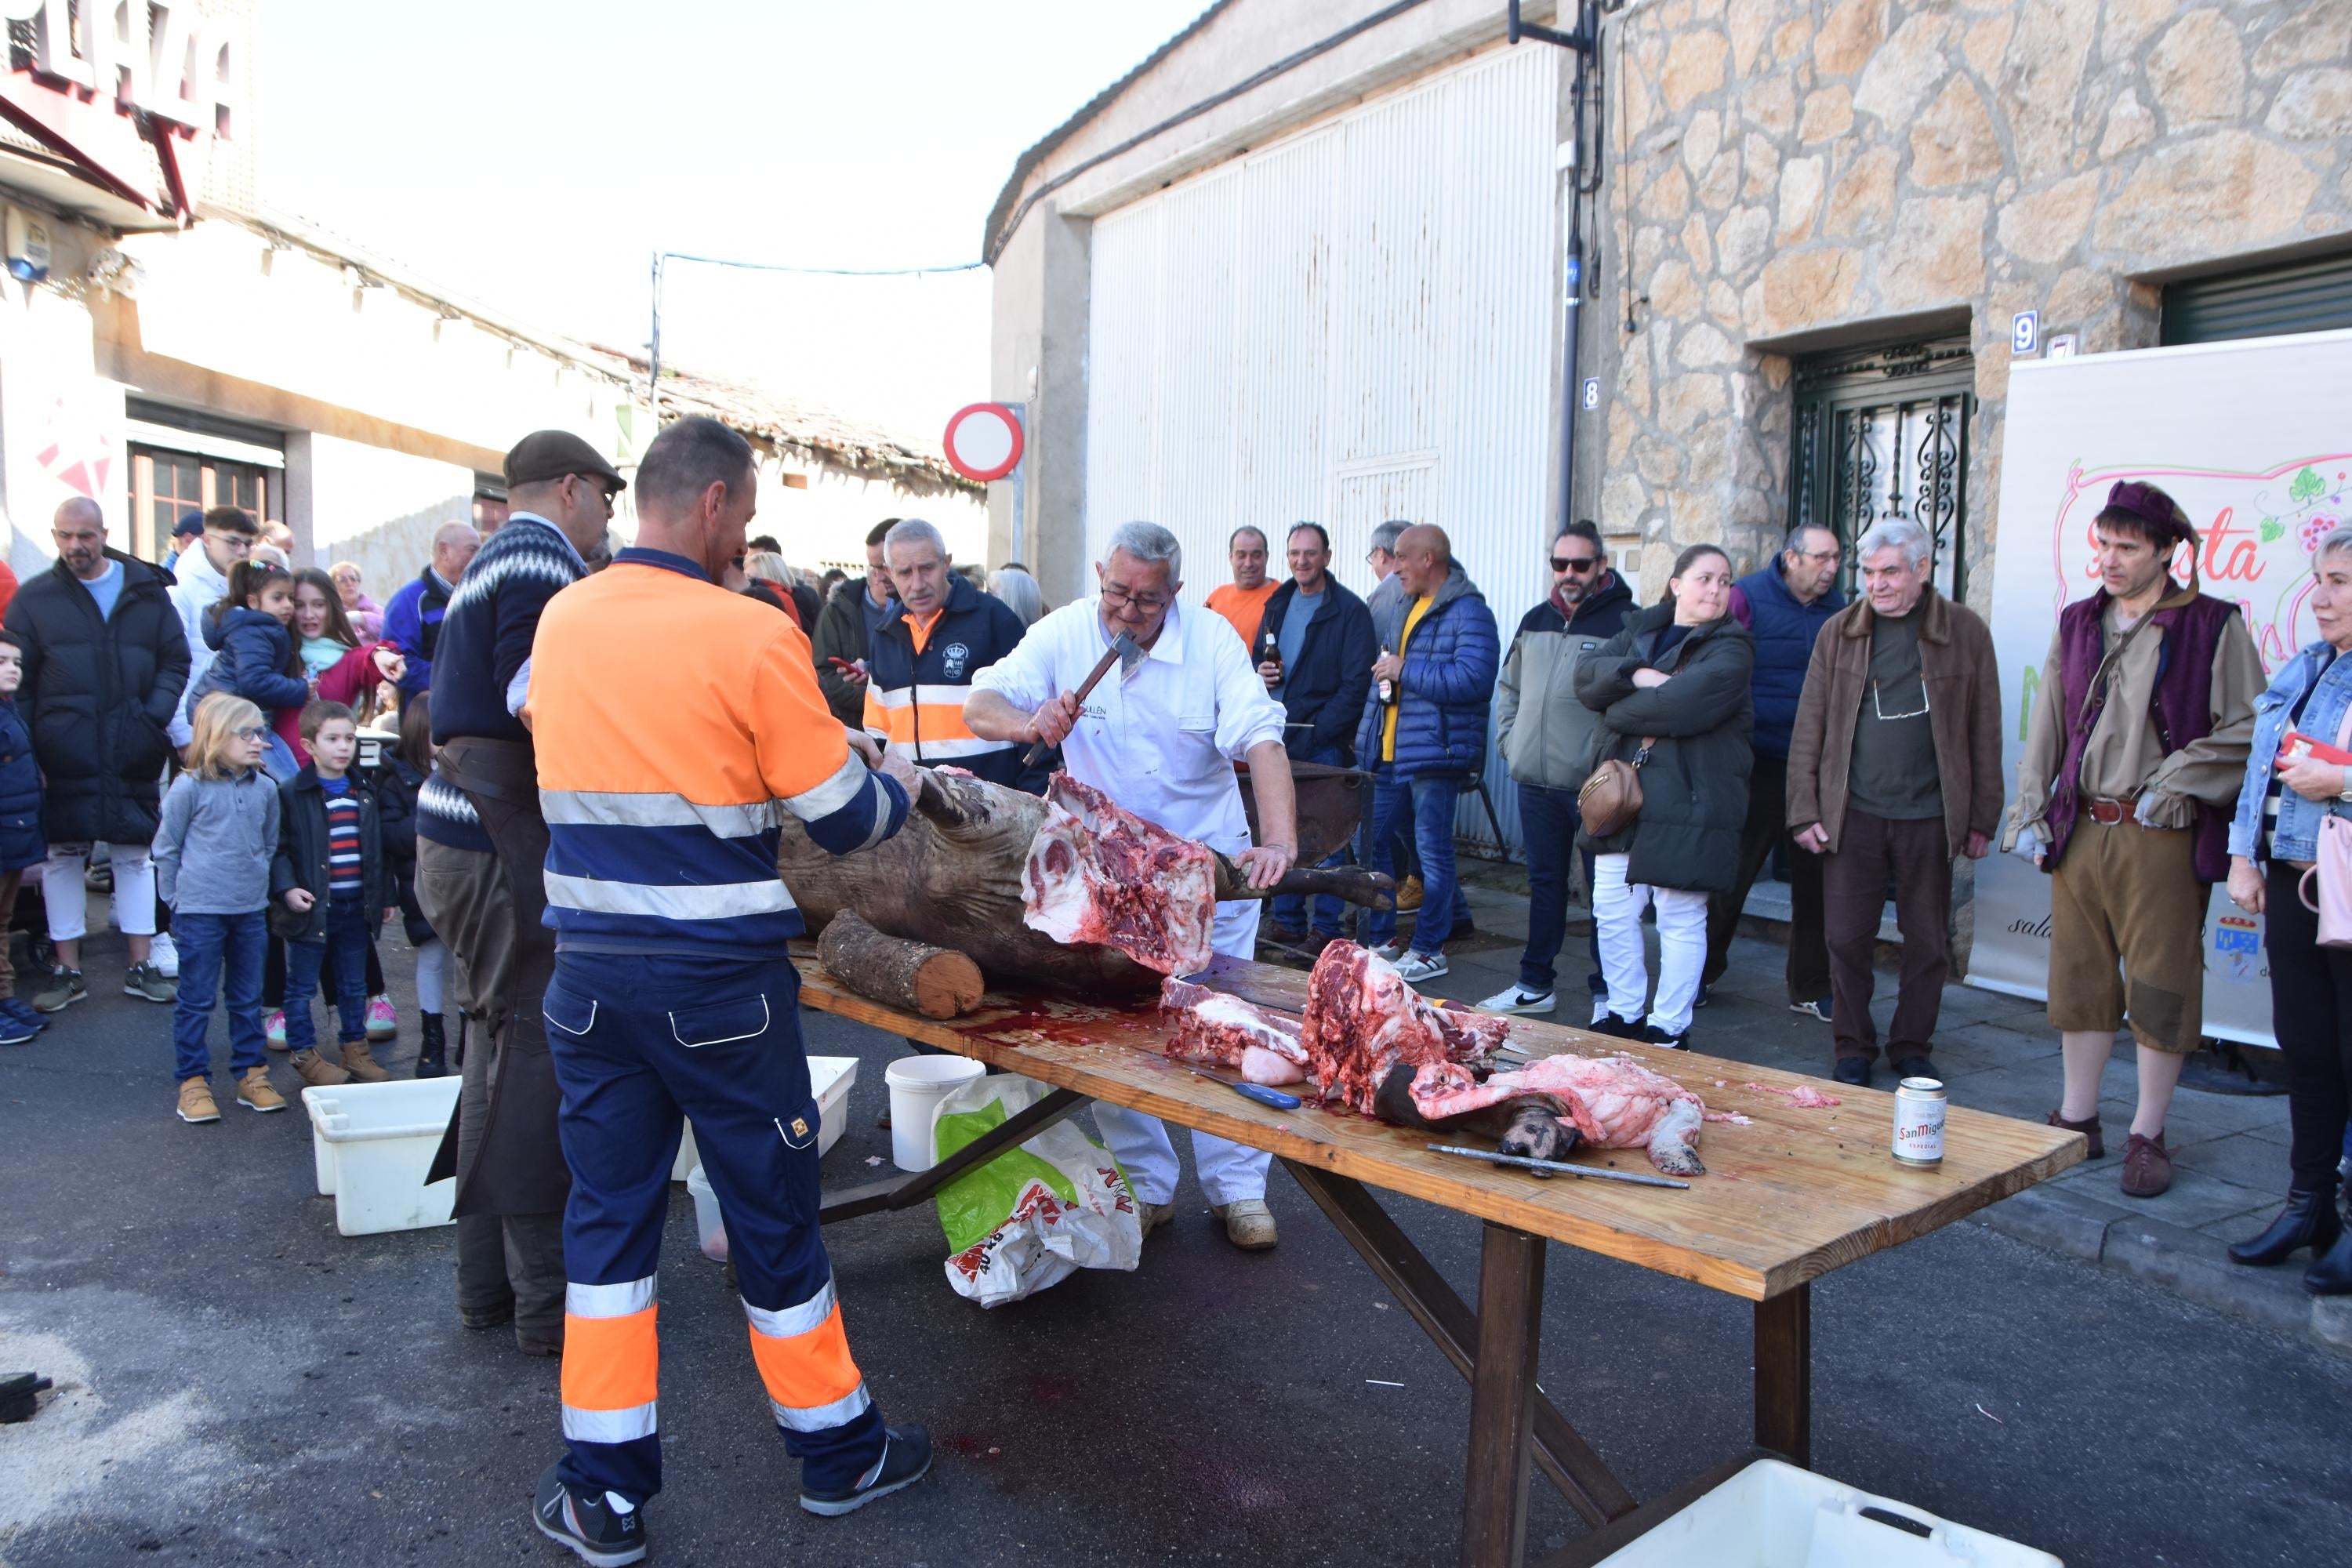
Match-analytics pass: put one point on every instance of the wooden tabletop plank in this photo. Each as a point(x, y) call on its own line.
point(1785, 1199)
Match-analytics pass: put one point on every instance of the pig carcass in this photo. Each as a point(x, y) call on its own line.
point(1363, 1021)
point(1070, 891)
point(1613, 1103)
point(1217, 1030)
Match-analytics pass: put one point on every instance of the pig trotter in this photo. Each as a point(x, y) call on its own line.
point(1673, 1141)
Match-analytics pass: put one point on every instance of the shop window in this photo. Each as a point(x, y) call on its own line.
point(1884, 433)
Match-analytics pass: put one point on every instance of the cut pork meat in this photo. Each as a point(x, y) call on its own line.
point(1100, 874)
point(1614, 1102)
point(1362, 1020)
point(1214, 1029)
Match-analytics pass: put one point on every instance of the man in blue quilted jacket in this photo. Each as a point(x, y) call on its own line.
point(1423, 732)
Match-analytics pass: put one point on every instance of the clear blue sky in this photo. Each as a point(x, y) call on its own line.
point(533, 153)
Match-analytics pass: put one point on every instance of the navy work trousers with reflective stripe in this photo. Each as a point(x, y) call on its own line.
point(638, 1041)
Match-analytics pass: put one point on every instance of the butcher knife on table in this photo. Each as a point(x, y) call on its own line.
point(1124, 651)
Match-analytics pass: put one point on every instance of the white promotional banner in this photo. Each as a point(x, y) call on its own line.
point(2254, 440)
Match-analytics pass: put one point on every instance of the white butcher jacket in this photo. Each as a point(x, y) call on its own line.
point(1162, 740)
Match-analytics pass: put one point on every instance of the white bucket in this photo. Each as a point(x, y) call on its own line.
point(918, 1084)
point(710, 1225)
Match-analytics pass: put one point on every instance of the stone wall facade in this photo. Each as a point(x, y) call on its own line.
point(1786, 175)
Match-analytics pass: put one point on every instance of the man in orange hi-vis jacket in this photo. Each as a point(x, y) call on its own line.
point(663, 773)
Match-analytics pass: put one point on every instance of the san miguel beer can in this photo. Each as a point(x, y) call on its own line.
point(1919, 1122)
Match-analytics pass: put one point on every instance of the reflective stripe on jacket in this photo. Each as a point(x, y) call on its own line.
point(921, 677)
point(663, 777)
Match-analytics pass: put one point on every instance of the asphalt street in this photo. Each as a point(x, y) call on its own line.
point(237, 1383)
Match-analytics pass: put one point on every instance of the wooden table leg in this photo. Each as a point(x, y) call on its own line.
point(905, 1191)
point(1784, 1375)
point(1502, 1399)
point(1560, 1453)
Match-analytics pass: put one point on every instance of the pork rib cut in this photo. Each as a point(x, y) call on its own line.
point(1362, 1020)
point(1614, 1102)
point(1098, 873)
point(1217, 1030)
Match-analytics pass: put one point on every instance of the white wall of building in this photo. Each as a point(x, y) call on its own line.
point(61, 425)
point(1349, 324)
point(377, 508)
point(825, 524)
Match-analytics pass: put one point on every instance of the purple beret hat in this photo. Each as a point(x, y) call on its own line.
point(2158, 512)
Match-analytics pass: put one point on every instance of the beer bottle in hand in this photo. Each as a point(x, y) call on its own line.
point(1388, 687)
point(1273, 654)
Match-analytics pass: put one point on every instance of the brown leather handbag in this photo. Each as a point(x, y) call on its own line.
point(1612, 798)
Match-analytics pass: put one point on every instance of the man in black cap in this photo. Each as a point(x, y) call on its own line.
point(481, 848)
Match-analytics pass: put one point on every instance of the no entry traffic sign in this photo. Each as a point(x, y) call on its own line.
point(983, 441)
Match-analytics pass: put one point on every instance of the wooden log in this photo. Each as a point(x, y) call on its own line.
point(931, 981)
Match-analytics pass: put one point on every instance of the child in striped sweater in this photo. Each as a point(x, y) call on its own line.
point(330, 890)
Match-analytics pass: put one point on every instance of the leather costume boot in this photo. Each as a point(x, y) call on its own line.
point(429, 1054)
point(2308, 1220)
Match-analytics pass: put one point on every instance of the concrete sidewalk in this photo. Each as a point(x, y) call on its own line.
point(1999, 1054)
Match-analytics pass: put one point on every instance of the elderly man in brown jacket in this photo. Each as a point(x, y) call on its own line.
point(1894, 772)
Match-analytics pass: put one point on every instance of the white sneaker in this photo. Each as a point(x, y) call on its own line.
point(164, 954)
point(1416, 967)
point(1389, 952)
point(1519, 999)
point(1249, 1224)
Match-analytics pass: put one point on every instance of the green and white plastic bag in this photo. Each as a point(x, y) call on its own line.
point(1030, 1217)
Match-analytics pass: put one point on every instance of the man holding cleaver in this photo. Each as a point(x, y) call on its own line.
point(1159, 732)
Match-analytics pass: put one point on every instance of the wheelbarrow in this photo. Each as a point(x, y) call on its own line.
point(1331, 802)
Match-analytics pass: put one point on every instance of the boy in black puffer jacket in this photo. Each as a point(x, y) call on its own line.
point(21, 843)
point(331, 888)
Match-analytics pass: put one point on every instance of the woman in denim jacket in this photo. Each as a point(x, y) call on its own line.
point(2273, 840)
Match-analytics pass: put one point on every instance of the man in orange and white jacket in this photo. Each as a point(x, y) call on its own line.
point(664, 776)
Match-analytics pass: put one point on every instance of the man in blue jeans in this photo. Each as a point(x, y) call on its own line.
point(1314, 651)
point(1424, 731)
point(1546, 738)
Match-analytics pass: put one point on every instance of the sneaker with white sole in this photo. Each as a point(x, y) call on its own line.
point(1416, 967)
point(146, 981)
point(273, 1031)
point(1519, 999)
point(1249, 1224)
point(602, 1528)
point(1388, 950)
point(383, 1022)
point(906, 1458)
point(164, 954)
point(1820, 1009)
point(255, 1092)
point(59, 989)
point(196, 1103)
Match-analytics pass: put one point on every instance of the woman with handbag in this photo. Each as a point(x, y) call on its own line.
point(2291, 862)
point(1668, 793)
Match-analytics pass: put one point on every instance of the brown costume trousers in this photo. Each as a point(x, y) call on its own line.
point(1918, 859)
point(508, 1160)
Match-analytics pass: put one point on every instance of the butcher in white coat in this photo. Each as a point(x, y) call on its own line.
point(1160, 739)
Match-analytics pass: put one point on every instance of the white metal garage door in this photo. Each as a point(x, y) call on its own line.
point(1351, 324)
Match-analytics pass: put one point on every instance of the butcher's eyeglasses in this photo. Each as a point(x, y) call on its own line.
point(1146, 604)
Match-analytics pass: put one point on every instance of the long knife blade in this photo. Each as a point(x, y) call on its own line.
point(1597, 1172)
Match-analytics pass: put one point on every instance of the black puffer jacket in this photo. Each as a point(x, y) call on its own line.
point(98, 696)
point(301, 859)
point(1694, 783)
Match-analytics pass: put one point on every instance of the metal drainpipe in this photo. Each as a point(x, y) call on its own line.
point(1588, 24)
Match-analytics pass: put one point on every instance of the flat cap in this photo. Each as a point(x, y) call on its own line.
point(552, 454)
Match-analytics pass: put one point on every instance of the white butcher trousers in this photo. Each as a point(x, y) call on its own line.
point(1624, 957)
point(1229, 1172)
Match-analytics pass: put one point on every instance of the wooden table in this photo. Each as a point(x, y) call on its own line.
point(1786, 1198)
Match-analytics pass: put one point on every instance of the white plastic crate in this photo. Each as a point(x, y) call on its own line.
point(1774, 1515)
point(371, 1144)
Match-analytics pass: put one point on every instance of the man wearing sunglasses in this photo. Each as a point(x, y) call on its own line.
point(1545, 737)
point(1784, 605)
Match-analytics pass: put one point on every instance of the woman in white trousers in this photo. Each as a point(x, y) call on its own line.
point(1672, 691)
